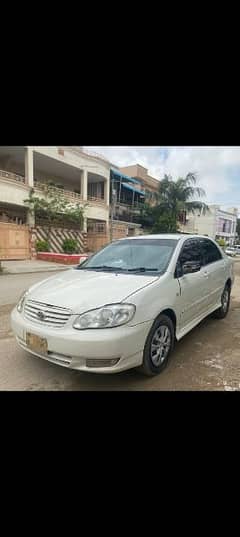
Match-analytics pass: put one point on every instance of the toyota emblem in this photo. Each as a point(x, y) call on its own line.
point(41, 315)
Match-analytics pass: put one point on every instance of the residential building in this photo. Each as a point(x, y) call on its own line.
point(215, 223)
point(131, 186)
point(148, 183)
point(83, 178)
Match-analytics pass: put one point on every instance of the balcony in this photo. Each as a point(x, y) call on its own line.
point(128, 213)
point(14, 191)
point(12, 177)
point(70, 195)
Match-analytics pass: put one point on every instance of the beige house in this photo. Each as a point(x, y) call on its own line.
point(216, 223)
point(148, 183)
point(82, 176)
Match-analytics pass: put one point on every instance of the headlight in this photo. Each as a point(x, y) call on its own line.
point(21, 302)
point(105, 317)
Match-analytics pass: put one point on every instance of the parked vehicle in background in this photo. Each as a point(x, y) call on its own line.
point(231, 251)
point(237, 249)
point(126, 305)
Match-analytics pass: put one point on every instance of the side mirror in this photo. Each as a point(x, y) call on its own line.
point(190, 267)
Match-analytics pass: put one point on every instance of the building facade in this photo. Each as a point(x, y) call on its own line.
point(131, 187)
point(148, 183)
point(216, 223)
point(81, 177)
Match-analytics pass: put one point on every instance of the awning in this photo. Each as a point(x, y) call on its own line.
point(130, 187)
point(126, 177)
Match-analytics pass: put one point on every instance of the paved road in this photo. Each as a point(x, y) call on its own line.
point(206, 359)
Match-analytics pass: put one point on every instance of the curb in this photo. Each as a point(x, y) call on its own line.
point(37, 271)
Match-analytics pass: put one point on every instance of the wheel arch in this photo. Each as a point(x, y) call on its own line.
point(229, 283)
point(169, 312)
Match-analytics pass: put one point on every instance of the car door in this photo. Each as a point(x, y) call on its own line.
point(215, 268)
point(193, 287)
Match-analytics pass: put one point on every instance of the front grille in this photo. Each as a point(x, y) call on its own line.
point(46, 314)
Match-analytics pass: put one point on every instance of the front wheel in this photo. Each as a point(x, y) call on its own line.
point(158, 346)
point(221, 312)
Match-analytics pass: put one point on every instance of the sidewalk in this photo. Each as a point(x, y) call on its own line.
point(31, 266)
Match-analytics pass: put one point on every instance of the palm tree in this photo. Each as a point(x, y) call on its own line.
point(175, 197)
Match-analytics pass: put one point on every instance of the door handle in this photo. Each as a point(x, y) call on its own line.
point(206, 274)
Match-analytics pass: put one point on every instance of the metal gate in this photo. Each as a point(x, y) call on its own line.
point(14, 241)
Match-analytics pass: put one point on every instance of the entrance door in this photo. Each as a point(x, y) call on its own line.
point(14, 241)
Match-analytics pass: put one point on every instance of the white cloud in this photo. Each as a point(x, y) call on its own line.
point(215, 166)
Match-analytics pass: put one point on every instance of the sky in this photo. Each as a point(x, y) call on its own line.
point(217, 168)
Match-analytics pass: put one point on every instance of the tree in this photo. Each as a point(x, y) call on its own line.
point(173, 198)
point(221, 243)
point(53, 208)
point(165, 224)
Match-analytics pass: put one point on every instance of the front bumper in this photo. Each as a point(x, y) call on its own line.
point(73, 348)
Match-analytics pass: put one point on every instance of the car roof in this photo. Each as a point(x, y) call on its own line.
point(174, 236)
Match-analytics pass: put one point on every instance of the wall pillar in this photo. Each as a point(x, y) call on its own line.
point(85, 224)
point(32, 243)
point(30, 219)
point(29, 167)
point(84, 185)
point(107, 191)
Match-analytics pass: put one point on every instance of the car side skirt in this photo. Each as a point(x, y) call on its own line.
point(181, 333)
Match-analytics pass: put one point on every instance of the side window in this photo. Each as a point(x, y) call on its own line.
point(191, 251)
point(210, 252)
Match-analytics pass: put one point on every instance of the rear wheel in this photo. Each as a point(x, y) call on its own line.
point(158, 346)
point(221, 312)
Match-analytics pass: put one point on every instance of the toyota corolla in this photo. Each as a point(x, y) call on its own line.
point(127, 305)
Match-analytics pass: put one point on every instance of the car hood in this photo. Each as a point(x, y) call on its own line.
point(82, 290)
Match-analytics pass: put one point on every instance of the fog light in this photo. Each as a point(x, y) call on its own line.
point(99, 362)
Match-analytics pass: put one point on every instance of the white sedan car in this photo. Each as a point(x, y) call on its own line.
point(127, 305)
point(230, 251)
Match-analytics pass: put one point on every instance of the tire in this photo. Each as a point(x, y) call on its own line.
point(222, 312)
point(155, 355)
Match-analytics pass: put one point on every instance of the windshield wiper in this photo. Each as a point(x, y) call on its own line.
point(104, 267)
point(118, 269)
point(143, 269)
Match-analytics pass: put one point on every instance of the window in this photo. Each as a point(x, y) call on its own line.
point(223, 225)
point(210, 252)
point(191, 251)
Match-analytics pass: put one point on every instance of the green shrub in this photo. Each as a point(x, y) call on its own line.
point(70, 246)
point(42, 246)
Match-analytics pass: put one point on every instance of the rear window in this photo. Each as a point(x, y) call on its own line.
point(210, 252)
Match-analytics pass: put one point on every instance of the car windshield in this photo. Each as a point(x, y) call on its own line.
point(132, 256)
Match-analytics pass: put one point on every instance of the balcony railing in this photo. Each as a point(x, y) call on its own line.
point(122, 208)
point(96, 201)
point(70, 195)
point(12, 176)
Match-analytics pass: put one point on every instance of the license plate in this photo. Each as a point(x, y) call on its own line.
point(36, 343)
